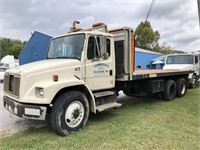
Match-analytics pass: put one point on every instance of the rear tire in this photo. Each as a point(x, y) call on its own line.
point(181, 87)
point(70, 113)
point(169, 92)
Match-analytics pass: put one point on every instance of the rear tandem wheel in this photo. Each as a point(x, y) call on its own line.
point(181, 87)
point(169, 92)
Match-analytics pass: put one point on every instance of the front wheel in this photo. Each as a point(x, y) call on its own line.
point(70, 113)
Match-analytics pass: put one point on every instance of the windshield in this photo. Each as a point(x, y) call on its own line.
point(66, 47)
point(180, 59)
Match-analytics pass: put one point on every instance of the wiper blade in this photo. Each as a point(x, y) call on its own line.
point(50, 58)
point(60, 57)
point(65, 57)
point(74, 57)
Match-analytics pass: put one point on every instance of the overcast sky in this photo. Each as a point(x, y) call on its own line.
point(176, 20)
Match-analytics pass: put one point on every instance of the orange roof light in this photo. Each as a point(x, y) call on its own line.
point(98, 24)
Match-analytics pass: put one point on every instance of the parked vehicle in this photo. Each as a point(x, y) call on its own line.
point(2, 72)
point(8, 61)
point(83, 72)
point(185, 62)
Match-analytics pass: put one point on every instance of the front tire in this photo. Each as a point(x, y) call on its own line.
point(70, 113)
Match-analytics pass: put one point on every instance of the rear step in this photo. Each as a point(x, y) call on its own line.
point(107, 106)
point(102, 94)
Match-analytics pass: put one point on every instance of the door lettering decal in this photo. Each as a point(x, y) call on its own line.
point(101, 69)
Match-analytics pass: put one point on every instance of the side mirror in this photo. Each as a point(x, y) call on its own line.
point(105, 55)
point(103, 43)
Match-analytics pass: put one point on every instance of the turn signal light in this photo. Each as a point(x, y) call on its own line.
point(55, 78)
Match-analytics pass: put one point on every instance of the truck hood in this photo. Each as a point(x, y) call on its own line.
point(178, 66)
point(49, 64)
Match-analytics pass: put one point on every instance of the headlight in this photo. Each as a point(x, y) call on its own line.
point(39, 92)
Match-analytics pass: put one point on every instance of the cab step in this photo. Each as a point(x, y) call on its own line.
point(103, 94)
point(107, 106)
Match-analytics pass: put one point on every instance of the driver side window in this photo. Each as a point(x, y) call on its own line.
point(93, 50)
point(98, 47)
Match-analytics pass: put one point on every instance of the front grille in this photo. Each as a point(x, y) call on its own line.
point(12, 84)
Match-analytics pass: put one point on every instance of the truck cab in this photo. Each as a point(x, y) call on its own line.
point(185, 62)
point(94, 54)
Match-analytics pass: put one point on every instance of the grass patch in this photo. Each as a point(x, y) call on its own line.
point(142, 123)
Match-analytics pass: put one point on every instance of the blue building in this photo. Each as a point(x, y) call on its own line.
point(35, 49)
point(159, 62)
point(144, 57)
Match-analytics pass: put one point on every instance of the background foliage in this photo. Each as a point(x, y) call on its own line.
point(147, 38)
point(11, 47)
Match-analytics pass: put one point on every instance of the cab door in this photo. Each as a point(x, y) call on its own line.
point(99, 64)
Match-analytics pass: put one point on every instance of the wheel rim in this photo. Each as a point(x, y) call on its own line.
point(183, 89)
point(74, 114)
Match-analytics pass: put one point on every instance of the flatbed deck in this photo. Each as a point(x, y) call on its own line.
point(152, 73)
point(149, 71)
point(142, 74)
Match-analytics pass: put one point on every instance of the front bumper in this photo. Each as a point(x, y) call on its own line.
point(27, 111)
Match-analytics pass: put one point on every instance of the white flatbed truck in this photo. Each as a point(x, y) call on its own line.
point(83, 72)
point(185, 62)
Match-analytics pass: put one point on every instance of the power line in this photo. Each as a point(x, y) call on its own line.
point(198, 7)
point(150, 8)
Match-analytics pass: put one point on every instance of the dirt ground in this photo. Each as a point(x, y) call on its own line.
point(10, 123)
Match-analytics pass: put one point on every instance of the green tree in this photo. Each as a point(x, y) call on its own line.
point(146, 37)
point(11, 47)
point(165, 49)
point(16, 49)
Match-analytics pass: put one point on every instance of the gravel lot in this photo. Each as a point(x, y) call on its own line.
point(10, 123)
